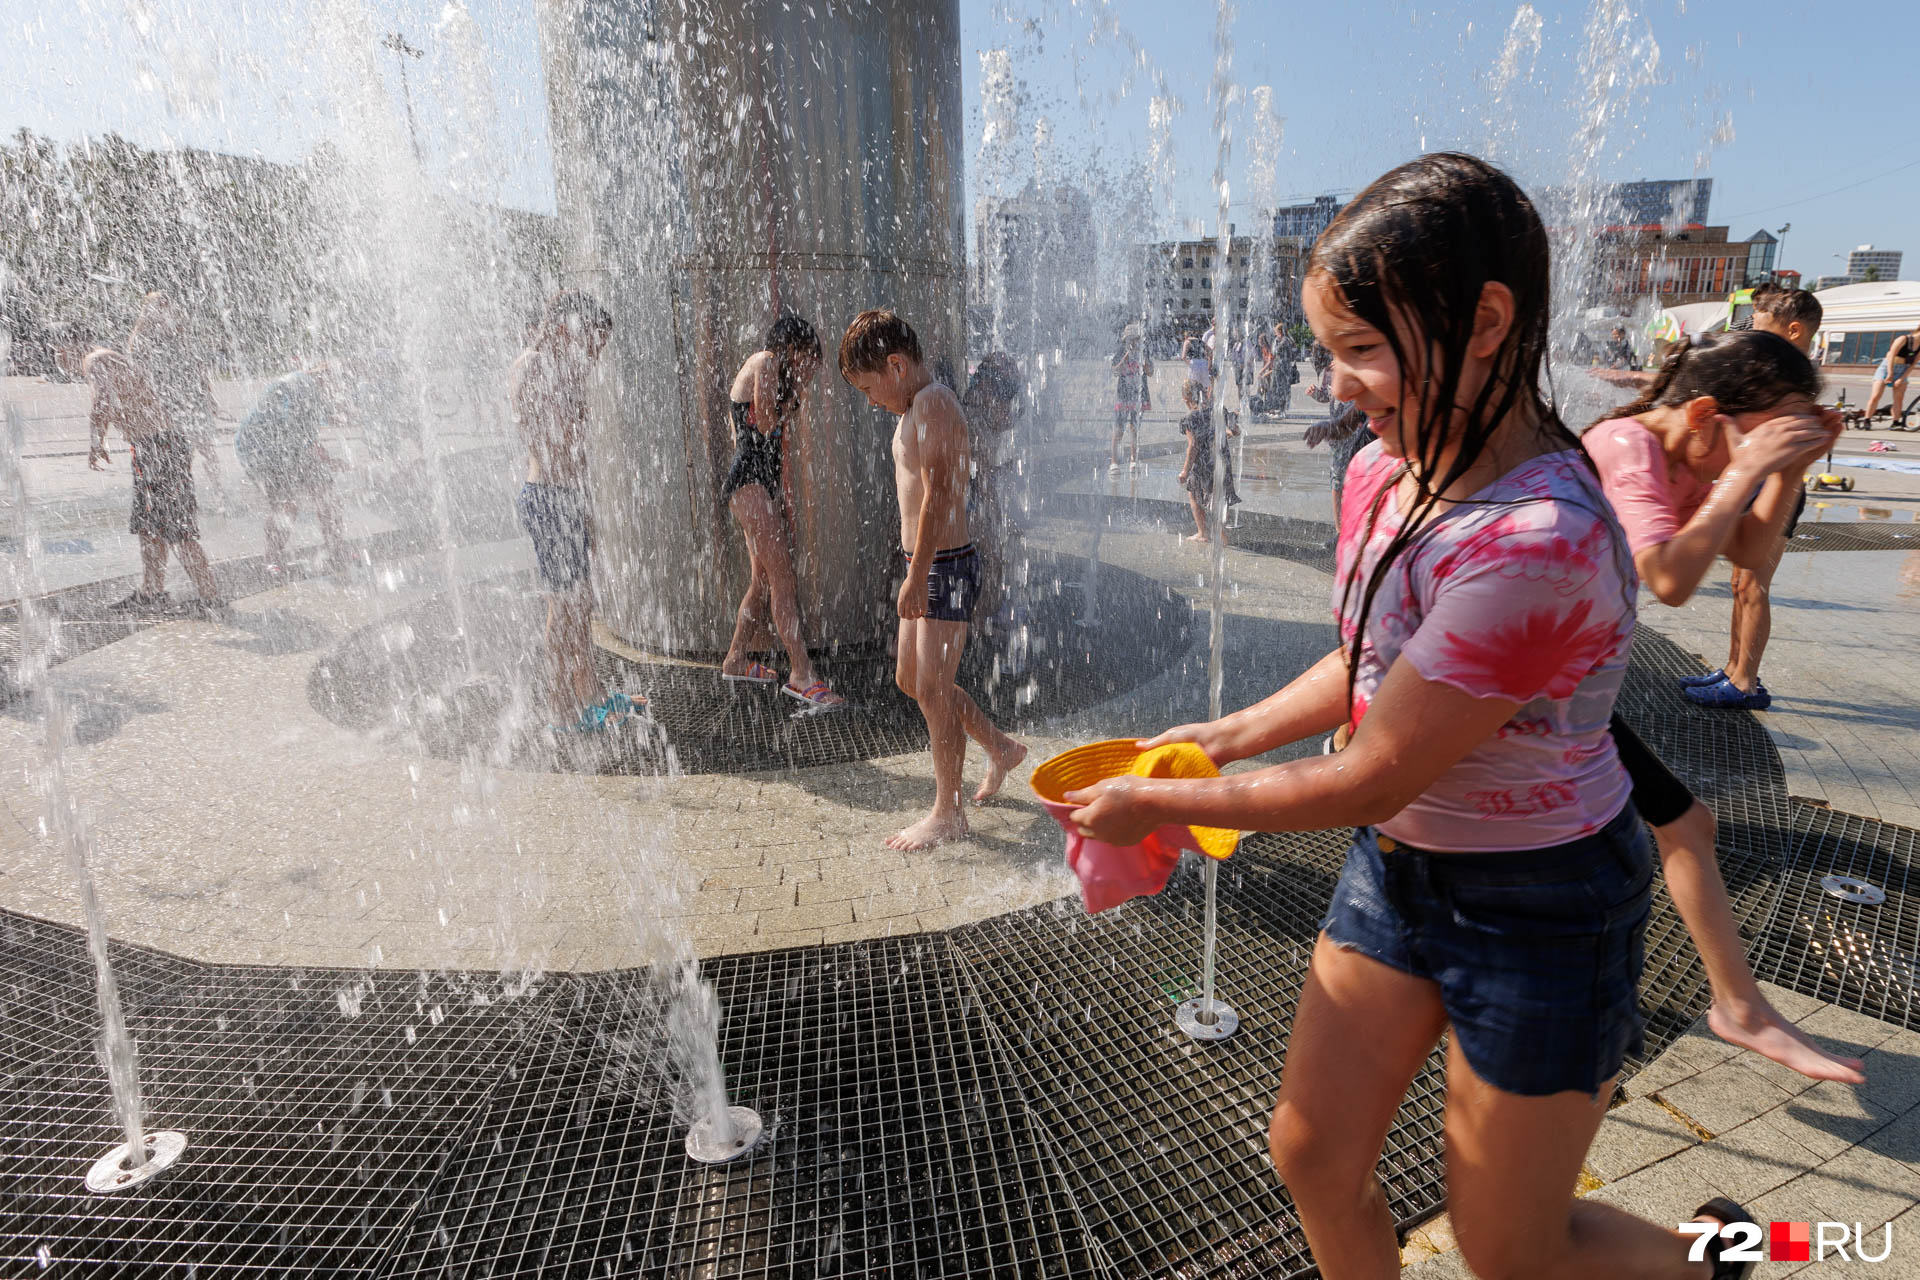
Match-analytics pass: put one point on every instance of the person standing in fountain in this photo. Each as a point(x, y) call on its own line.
point(1196, 469)
point(1132, 395)
point(1498, 886)
point(765, 400)
point(880, 357)
point(165, 512)
point(162, 344)
point(279, 448)
point(547, 392)
point(991, 402)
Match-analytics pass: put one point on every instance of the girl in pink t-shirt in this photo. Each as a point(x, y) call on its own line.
point(1499, 881)
point(1708, 462)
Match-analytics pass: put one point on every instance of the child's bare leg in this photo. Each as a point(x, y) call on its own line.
point(929, 658)
point(749, 624)
point(279, 531)
point(326, 509)
point(767, 543)
point(1003, 751)
point(153, 565)
point(1199, 520)
point(572, 684)
point(193, 558)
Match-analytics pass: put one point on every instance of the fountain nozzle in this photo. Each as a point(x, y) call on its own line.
point(707, 1144)
point(116, 1170)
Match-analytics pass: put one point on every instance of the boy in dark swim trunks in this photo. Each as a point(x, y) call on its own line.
point(165, 511)
point(547, 388)
point(880, 356)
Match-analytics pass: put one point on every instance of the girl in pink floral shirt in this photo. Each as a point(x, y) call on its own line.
point(1499, 881)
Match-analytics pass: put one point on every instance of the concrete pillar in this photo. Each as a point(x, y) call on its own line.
point(716, 163)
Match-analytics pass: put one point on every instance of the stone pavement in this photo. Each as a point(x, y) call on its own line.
point(1705, 1119)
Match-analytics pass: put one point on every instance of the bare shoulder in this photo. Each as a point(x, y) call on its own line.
point(936, 409)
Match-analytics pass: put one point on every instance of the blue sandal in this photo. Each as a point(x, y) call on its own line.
point(1726, 696)
point(1697, 682)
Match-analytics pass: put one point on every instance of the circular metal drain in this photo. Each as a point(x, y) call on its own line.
point(1854, 889)
point(709, 1148)
point(115, 1171)
point(1204, 1020)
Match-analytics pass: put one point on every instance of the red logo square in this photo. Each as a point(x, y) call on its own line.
point(1791, 1242)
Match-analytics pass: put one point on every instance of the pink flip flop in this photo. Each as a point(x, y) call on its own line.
point(816, 695)
point(756, 673)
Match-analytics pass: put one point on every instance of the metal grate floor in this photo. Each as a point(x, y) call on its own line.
point(1861, 956)
point(898, 1144)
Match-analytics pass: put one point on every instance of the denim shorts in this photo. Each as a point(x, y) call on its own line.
point(1537, 953)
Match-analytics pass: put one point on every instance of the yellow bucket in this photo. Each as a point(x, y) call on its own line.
point(1084, 766)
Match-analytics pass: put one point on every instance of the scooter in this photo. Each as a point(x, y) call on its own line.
point(1829, 479)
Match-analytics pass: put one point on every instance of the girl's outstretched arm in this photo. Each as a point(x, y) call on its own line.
point(1415, 730)
point(1313, 702)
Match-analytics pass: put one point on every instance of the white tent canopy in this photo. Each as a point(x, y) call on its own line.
point(1870, 308)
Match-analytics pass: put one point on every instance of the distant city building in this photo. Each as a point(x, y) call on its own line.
point(1301, 224)
point(1180, 284)
point(1697, 264)
point(1034, 263)
point(1663, 200)
point(1830, 282)
point(1884, 263)
point(1763, 250)
point(1657, 202)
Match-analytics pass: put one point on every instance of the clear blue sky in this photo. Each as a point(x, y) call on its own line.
point(1778, 102)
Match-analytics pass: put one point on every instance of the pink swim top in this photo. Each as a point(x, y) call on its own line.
point(1524, 593)
point(1653, 498)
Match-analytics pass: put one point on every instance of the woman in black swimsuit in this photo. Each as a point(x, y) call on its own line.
point(766, 397)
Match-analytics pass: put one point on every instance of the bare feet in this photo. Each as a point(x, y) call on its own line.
point(1196, 537)
point(1762, 1029)
point(935, 828)
point(998, 764)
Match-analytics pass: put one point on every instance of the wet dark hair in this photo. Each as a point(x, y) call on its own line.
point(789, 338)
point(1419, 246)
point(577, 304)
point(871, 338)
point(1745, 371)
point(1788, 305)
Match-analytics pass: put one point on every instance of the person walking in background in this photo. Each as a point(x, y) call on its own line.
point(162, 343)
point(1708, 461)
point(165, 511)
point(880, 357)
point(1792, 314)
point(1132, 394)
point(547, 392)
point(765, 401)
point(991, 403)
point(1892, 373)
point(279, 448)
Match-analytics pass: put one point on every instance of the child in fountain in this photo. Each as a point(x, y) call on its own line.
point(880, 356)
point(1196, 471)
point(165, 512)
point(1792, 314)
point(1709, 462)
point(547, 390)
point(1499, 882)
point(279, 447)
